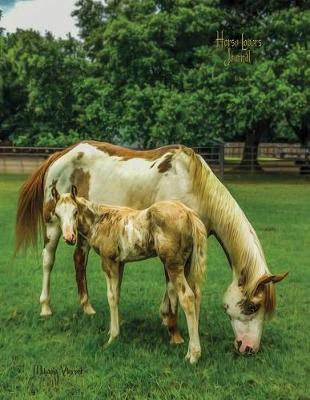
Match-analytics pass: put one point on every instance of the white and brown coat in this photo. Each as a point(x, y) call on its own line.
point(115, 175)
point(167, 229)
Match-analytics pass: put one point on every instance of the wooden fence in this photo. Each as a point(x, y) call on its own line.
point(223, 159)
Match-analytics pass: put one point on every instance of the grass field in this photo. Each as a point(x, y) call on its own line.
point(141, 364)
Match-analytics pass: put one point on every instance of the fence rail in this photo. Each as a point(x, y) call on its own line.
point(24, 151)
point(276, 150)
point(224, 159)
point(268, 158)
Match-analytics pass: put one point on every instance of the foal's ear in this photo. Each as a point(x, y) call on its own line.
point(73, 191)
point(268, 279)
point(55, 194)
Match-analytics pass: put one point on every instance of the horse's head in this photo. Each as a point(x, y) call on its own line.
point(247, 310)
point(66, 211)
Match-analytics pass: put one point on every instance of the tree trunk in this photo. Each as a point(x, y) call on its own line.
point(303, 134)
point(250, 152)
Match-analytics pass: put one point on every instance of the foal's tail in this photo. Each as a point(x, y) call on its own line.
point(29, 216)
point(198, 257)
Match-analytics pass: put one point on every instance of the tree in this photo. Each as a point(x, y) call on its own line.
point(284, 30)
point(159, 60)
point(96, 110)
point(148, 72)
point(46, 71)
point(146, 51)
point(295, 104)
point(89, 15)
point(3, 135)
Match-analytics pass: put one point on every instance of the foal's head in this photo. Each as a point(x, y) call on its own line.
point(248, 308)
point(66, 211)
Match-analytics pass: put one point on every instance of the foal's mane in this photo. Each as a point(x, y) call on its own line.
point(231, 227)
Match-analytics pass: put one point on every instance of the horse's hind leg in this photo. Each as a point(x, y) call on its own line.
point(80, 262)
point(187, 300)
point(51, 237)
point(169, 312)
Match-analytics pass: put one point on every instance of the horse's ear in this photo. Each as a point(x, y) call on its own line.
point(73, 191)
point(265, 279)
point(279, 277)
point(55, 194)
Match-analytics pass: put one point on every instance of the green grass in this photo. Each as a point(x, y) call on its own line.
point(141, 364)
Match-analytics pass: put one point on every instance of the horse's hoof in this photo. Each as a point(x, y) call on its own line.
point(88, 309)
point(110, 341)
point(45, 311)
point(193, 357)
point(193, 360)
point(106, 345)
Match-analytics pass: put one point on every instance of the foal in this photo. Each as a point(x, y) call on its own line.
point(167, 229)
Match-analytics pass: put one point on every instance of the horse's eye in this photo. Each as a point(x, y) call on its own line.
point(75, 213)
point(252, 308)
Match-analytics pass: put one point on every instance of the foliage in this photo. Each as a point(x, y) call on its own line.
point(148, 72)
point(45, 70)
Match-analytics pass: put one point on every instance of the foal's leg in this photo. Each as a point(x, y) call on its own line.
point(112, 273)
point(80, 262)
point(197, 293)
point(169, 312)
point(187, 301)
point(51, 237)
point(121, 272)
point(120, 279)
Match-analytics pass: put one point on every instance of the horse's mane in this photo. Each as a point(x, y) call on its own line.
point(230, 225)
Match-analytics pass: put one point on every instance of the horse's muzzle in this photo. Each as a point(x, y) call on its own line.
point(244, 348)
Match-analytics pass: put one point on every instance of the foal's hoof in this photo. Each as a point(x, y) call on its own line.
point(193, 357)
point(88, 309)
point(176, 338)
point(45, 311)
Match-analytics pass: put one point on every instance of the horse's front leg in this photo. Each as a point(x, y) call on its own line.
point(51, 238)
point(113, 272)
point(80, 262)
point(169, 312)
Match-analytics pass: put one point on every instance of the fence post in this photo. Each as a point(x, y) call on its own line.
point(221, 160)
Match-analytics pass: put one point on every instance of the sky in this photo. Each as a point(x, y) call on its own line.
point(40, 15)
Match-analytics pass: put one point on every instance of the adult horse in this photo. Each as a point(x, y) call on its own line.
point(115, 175)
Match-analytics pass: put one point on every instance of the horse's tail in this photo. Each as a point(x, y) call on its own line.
point(29, 216)
point(198, 256)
